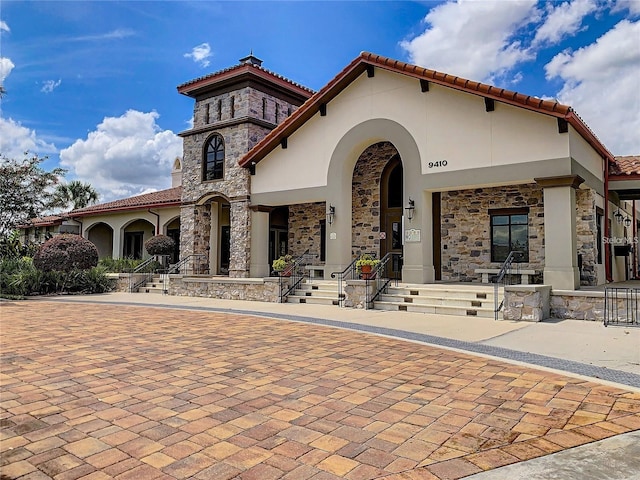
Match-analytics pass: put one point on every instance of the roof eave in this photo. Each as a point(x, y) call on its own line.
point(124, 209)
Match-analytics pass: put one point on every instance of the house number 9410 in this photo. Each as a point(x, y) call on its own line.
point(440, 163)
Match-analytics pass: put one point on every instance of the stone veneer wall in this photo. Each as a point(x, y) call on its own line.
point(366, 201)
point(304, 228)
point(578, 306)
point(586, 233)
point(253, 289)
point(466, 228)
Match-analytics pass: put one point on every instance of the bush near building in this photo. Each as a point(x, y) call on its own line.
point(66, 252)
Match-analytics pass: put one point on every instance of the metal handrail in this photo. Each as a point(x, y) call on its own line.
point(382, 281)
point(176, 267)
point(504, 273)
point(142, 268)
point(349, 270)
point(297, 275)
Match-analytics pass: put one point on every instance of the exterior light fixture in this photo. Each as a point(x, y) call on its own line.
point(619, 217)
point(410, 208)
point(627, 222)
point(331, 213)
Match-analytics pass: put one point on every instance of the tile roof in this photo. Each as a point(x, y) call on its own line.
point(625, 166)
point(365, 60)
point(45, 221)
point(193, 85)
point(162, 198)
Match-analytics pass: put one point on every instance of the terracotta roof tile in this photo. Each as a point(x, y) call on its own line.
point(627, 165)
point(162, 198)
point(185, 87)
point(45, 221)
point(360, 64)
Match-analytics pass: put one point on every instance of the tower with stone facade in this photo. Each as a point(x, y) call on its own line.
point(234, 109)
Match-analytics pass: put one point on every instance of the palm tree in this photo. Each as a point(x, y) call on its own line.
point(76, 194)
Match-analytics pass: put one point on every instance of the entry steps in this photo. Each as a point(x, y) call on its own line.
point(155, 285)
point(444, 299)
point(473, 300)
point(317, 292)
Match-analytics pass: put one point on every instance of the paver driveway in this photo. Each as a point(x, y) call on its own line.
point(95, 391)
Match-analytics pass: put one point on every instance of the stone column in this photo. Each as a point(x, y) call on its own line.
point(187, 230)
point(260, 242)
point(560, 252)
point(240, 238)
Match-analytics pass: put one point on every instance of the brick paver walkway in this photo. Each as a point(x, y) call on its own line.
point(96, 392)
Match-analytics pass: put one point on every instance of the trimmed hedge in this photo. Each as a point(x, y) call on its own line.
point(160, 245)
point(66, 252)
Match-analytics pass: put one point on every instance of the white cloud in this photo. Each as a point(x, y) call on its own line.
point(200, 54)
point(563, 19)
point(4, 27)
point(602, 82)
point(473, 39)
point(16, 139)
point(50, 85)
point(6, 65)
point(633, 6)
point(124, 155)
point(116, 34)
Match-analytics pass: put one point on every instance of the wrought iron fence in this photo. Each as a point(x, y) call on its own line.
point(621, 306)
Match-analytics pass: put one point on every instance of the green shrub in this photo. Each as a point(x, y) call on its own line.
point(66, 252)
point(160, 245)
point(20, 278)
point(118, 265)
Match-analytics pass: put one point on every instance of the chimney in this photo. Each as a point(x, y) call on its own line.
point(176, 173)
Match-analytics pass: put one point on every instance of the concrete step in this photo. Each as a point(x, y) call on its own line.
point(468, 292)
point(151, 289)
point(312, 299)
point(436, 309)
point(452, 300)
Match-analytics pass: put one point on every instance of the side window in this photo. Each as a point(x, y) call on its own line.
point(509, 232)
point(213, 161)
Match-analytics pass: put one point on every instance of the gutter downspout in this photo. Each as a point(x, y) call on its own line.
point(157, 220)
point(607, 245)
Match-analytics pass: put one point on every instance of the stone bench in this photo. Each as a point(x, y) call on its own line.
point(523, 273)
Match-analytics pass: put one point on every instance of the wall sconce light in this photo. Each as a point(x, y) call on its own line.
point(619, 217)
point(410, 208)
point(331, 213)
point(627, 222)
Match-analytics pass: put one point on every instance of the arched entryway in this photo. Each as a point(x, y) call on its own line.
point(377, 194)
point(391, 215)
point(135, 234)
point(101, 235)
point(213, 233)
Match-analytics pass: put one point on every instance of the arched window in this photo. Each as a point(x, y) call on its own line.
point(213, 162)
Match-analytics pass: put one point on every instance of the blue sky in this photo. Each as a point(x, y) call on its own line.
point(93, 84)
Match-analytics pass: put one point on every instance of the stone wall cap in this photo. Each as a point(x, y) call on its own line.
point(577, 293)
point(526, 288)
point(239, 281)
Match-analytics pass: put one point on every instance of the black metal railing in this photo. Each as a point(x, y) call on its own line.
point(191, 264)
point(621, 306)
point(349, 273)
point(380, 278)
point(504, 277)
point(294, 276)
point(144, 272)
